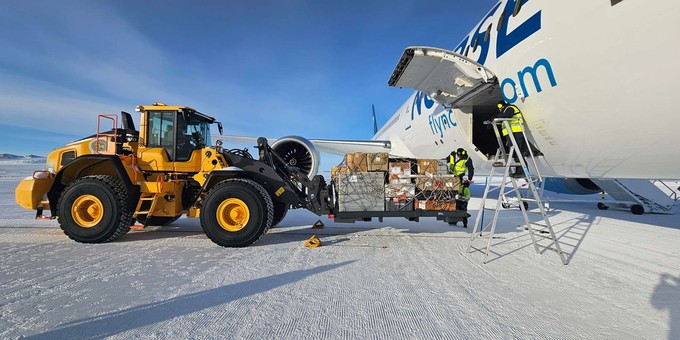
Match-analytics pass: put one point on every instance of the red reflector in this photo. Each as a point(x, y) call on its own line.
point(331, 216)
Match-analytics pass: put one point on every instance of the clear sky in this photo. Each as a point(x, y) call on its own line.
point(263, 68)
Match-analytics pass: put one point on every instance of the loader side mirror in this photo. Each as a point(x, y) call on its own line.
point(219, 127)
point(128, 123)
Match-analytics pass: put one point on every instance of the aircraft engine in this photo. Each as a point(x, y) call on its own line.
point(298, 151)
point(572, 186)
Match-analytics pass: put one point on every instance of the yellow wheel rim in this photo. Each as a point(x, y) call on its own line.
point(233, 214)
point(87, 211)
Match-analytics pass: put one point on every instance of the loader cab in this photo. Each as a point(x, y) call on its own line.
point(171, 134)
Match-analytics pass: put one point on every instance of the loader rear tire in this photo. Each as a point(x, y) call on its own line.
point(94, 209)
point(237, 213)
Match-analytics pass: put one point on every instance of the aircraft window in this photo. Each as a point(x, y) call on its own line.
point(501, 21)
point(488, 33)
point(467, 49)
point(518, 6)
point(474, 48)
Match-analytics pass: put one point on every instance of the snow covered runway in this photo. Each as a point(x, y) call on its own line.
point(390, 280)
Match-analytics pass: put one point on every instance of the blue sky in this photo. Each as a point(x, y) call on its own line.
point(262, 68)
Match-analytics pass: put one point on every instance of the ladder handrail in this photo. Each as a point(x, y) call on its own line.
point(673, 194)
point(522, 161)
point(506, 163)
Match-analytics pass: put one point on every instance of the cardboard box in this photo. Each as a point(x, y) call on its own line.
point(378, 161)
point(437, 182)
point(442, 205)
point(400, 173)
point(436, 195)
point(336, 170)
point(399, 205)
point(427, 166)
point(442, 167)
point(407, 190)
point(357, 162)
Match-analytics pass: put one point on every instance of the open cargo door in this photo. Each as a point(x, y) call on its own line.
point(447, 77)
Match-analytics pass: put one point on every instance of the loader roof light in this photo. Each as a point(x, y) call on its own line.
point(159, 104)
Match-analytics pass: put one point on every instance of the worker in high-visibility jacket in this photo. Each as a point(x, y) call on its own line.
point(516, 123)
point(460, 164)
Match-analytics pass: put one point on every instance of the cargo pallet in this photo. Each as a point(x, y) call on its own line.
point(412, 215)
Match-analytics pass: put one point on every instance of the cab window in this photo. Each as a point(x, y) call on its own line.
point(162, 131)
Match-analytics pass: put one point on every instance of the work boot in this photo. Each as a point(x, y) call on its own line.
point(519, 173)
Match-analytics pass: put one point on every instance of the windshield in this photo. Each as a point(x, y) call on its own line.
point(178, 134)
point(196, 130)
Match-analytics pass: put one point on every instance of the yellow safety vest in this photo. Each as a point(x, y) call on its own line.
point(459, 166)
point(516, 122)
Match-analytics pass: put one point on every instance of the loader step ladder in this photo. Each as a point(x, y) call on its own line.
point(501, 168)
point(144, 198)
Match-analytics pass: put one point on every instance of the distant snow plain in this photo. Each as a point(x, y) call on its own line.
point(390, 280)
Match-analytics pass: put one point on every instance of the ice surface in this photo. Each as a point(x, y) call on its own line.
point(390, 280)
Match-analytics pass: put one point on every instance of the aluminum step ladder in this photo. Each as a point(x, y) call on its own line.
point(501, 168)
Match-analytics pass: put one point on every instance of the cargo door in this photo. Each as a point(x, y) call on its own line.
point(447, 77)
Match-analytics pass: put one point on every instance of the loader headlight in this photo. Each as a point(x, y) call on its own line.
point(43, 174)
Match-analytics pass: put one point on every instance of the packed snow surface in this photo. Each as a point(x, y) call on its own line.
point(390, 280)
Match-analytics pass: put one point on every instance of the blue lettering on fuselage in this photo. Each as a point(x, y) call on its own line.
point(509, 85)
point(442, 122)
point(418, 102)
point(478, 38)
point(438, 122)
point(506, 41)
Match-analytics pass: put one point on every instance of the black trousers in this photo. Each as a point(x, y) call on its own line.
point(462, 205)
point(521, 145)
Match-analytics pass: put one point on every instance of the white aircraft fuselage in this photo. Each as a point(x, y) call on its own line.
point(595, 81)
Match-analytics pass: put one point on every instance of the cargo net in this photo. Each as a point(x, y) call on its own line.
point(377, 182)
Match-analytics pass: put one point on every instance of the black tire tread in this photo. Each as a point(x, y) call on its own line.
point(277, 219)
point(268, 205)
point(122, 197)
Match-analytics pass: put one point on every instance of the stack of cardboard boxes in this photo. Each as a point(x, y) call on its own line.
point(374, 182)
point(436, 187)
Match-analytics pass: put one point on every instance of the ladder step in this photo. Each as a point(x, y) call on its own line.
point(502, 164)
point(143, 212)
point(545, 237)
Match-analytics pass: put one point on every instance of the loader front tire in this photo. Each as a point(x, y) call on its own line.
point(237, 212)
point(280, 211)
point(94, 209)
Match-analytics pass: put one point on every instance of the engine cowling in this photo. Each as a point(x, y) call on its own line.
point(298, 151)
point(572, 186)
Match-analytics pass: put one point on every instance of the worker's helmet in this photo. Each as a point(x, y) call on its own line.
point(501, 104)
point(461, 152)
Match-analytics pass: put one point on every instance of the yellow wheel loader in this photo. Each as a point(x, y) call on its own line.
point(97, 187)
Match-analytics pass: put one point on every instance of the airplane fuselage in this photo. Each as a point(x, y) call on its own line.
point(594, 80)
